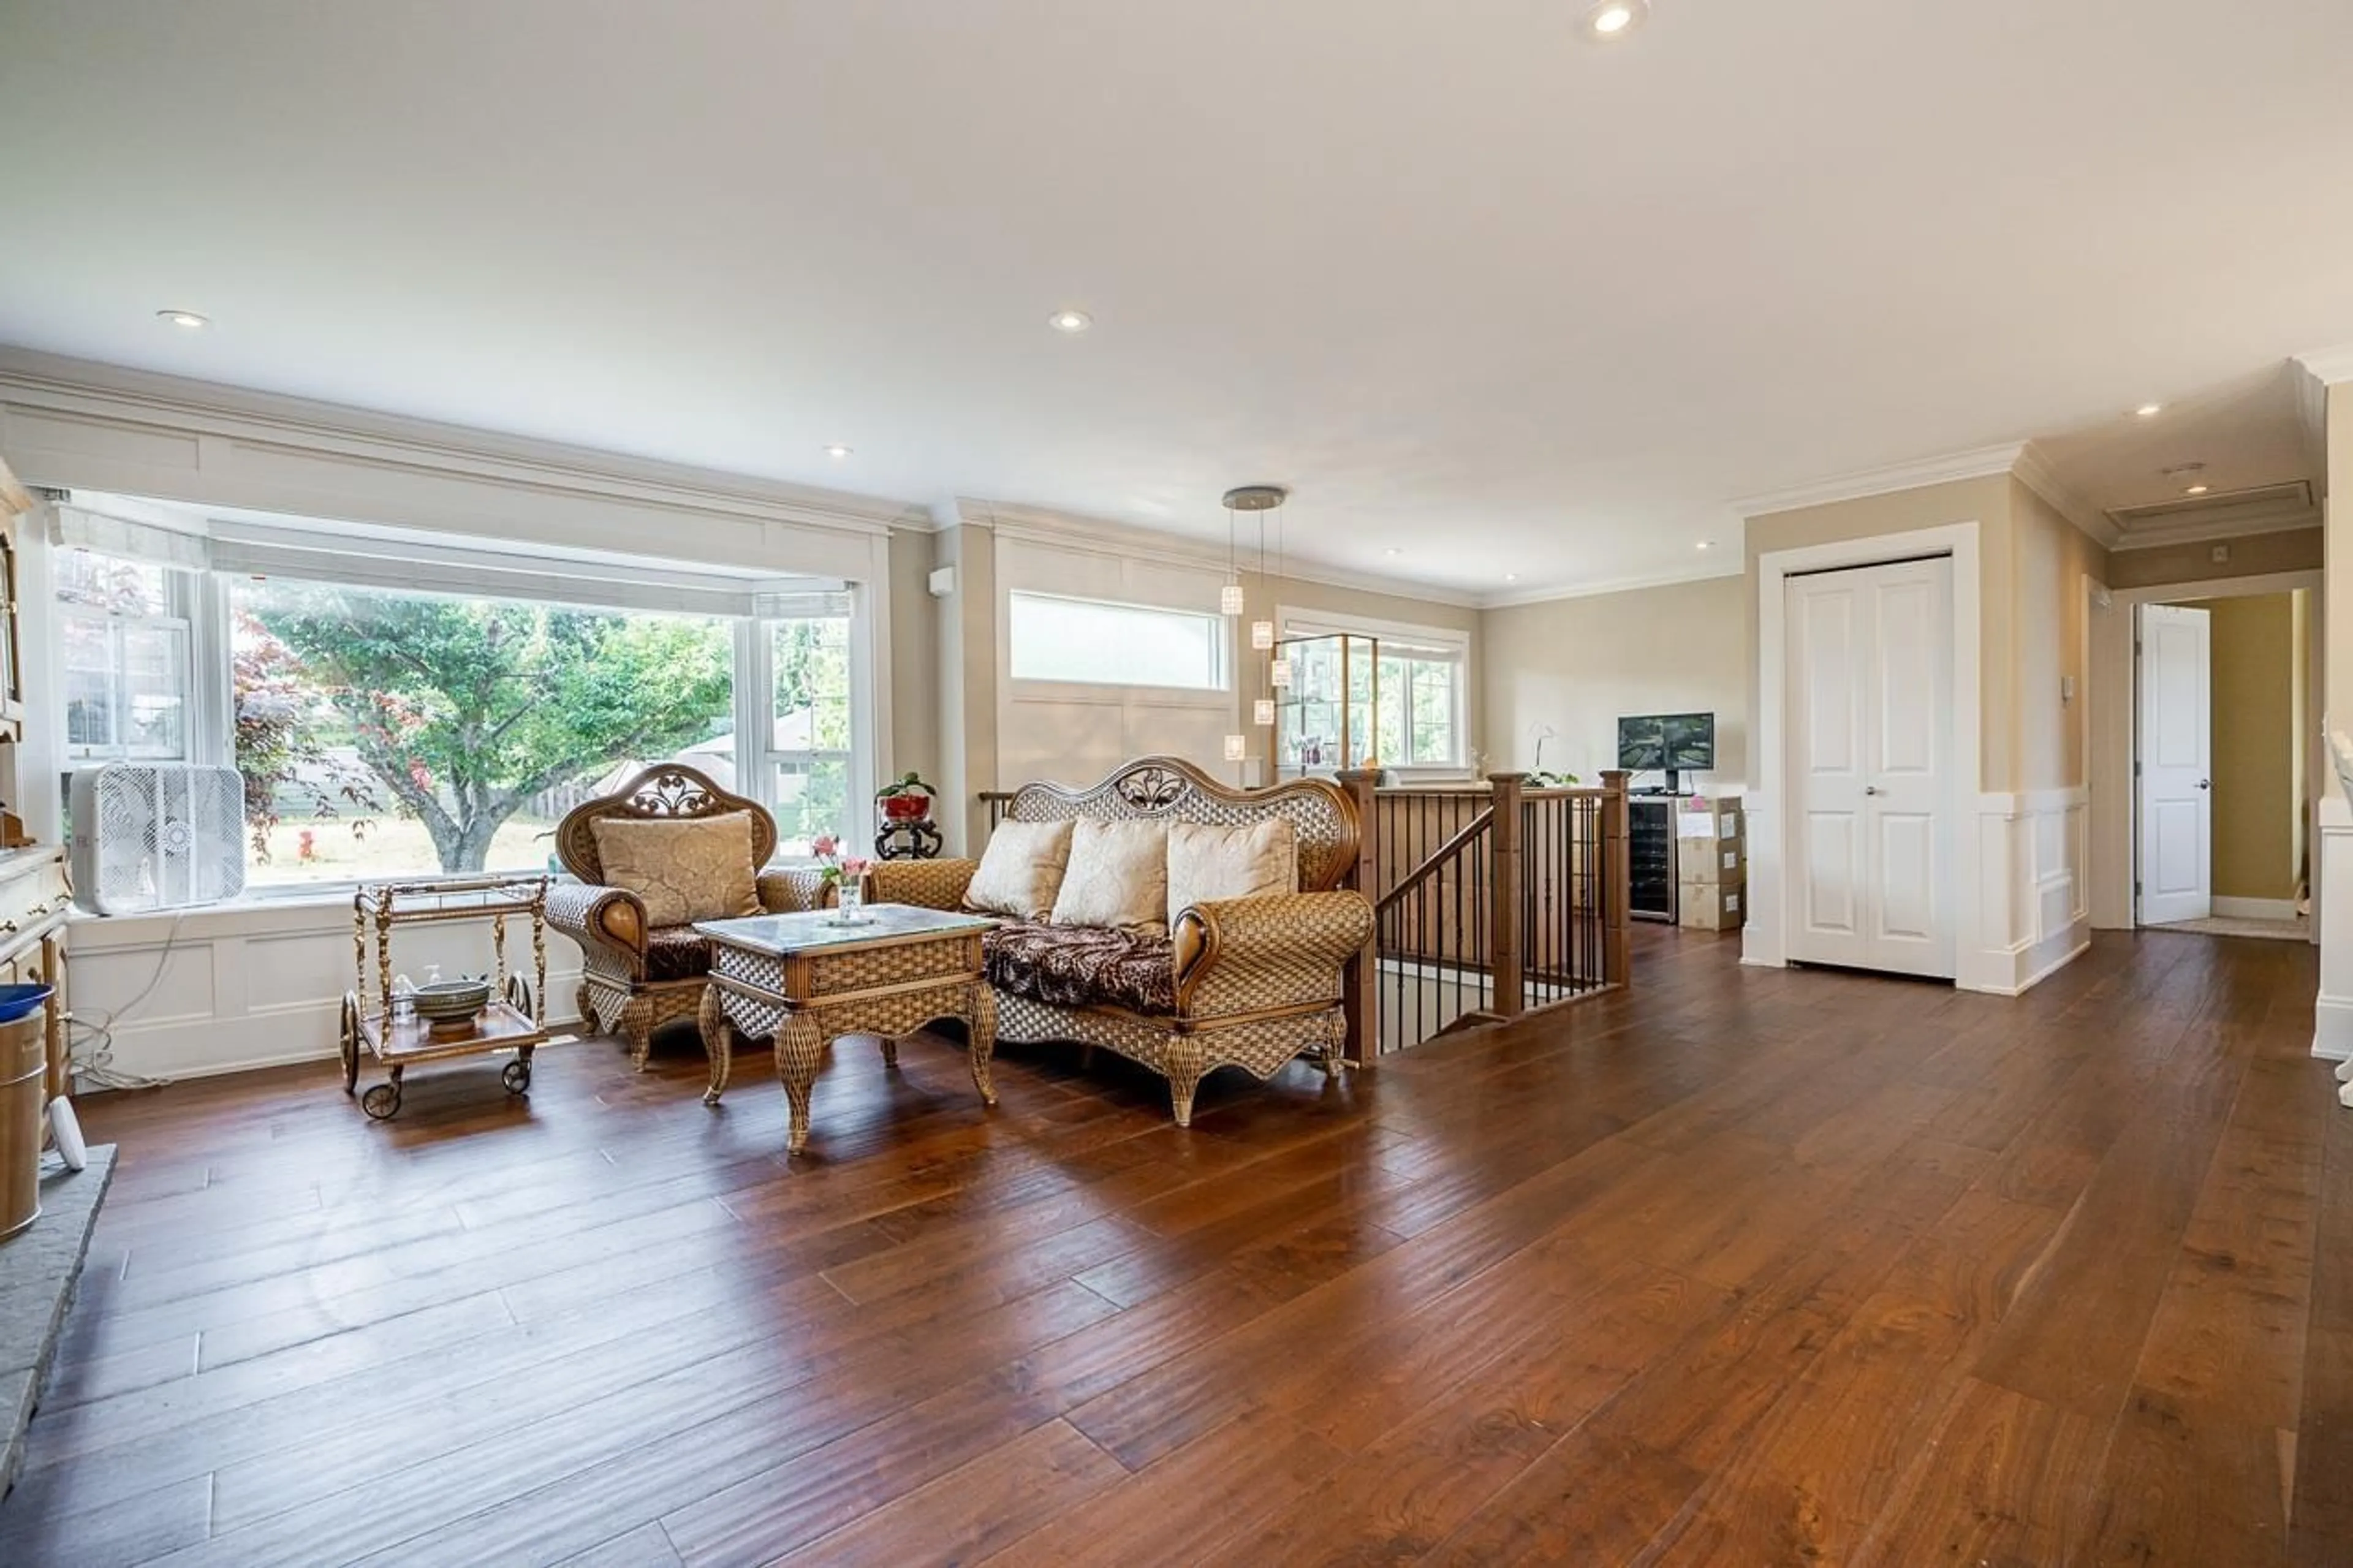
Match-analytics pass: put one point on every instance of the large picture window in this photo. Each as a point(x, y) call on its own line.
point(401, 735)
point(386, 731)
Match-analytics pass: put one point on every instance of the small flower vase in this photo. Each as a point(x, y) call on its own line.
point(850, 902)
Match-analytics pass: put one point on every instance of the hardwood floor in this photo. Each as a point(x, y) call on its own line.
point(1745, 1266)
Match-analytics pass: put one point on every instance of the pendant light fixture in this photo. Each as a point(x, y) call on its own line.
point(1258, 498)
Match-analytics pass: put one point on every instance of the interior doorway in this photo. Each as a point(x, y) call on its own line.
point(2223, 789)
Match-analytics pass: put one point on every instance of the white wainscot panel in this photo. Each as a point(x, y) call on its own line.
point(2032, 916)
point(261, 984)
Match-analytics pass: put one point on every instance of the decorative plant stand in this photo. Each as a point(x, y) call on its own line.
point(514, 1019)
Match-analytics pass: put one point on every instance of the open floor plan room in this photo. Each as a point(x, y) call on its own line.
point(1745, 1267)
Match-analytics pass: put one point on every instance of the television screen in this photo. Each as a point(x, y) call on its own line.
point(1655, 741)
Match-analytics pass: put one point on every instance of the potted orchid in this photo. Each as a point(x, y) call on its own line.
point(846, 875)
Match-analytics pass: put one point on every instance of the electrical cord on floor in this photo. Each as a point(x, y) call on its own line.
point(96, 1067)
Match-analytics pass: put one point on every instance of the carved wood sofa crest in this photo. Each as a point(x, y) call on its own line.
point(1248, 982)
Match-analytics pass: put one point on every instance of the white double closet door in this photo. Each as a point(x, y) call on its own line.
point(1871, 780)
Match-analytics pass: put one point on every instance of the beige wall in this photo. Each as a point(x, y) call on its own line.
point(2254, 555)
point(964, 648)
point(2050, 559)
point(2336, 696)
point(914, 657)
point(1578, 665)
point(1985, 501)
point(2257, 746)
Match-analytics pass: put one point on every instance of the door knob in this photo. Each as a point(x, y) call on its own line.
point(2205, 784)
point(1873, 789)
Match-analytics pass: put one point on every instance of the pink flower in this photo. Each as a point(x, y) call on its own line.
point(856, 865)
point(824, 845)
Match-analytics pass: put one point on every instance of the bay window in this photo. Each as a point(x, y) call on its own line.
point(400, 710)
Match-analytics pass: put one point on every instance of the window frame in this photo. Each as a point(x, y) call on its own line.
point(1423, 643)
point(1220, 643)
point(205, 596)
point(182, 610)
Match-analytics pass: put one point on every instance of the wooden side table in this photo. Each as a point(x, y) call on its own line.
point(806, 980)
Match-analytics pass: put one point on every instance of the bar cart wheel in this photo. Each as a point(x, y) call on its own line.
point(382, 1102)
point(516, 1075)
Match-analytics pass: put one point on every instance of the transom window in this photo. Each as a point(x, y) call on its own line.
point(1099, 643)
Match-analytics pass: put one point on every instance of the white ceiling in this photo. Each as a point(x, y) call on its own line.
point(1500, 300)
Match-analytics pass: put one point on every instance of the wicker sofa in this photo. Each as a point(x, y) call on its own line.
point(636, 975)
point(1248, 982)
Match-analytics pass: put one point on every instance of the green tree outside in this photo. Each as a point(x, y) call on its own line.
point(466, 709)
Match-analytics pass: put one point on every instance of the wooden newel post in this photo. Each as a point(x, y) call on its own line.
point(1617, 871)
point(1508, 959)
point(1361, 982)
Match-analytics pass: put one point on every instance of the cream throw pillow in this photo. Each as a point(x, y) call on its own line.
point(1021, 870)
point(1206, 862)
point(697, 869)
point(1118, 878)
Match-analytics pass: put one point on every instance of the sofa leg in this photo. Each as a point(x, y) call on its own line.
point(636, 1025)
point(1185, 1071)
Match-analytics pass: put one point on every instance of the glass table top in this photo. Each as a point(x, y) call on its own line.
point(815, 930)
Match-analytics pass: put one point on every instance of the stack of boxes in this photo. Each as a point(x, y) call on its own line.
point(1712, 864)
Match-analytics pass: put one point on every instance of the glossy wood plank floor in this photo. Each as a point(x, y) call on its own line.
point(1744, 1267)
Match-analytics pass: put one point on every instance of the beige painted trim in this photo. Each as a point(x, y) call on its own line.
point(2111, 676)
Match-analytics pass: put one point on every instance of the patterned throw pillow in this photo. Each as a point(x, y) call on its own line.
point(1118, 878)
point(696, 870)
point(1206, 862)
point(1021, 870)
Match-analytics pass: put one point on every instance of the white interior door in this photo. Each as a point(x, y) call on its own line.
point(2176, 794)
point(1871, 692)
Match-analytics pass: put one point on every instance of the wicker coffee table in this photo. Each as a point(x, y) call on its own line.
point(805, 981)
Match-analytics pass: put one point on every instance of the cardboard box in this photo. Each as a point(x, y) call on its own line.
point(1711, 862)
point(1716, 819)
point(1718, 907)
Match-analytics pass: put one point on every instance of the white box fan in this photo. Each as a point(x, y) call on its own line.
point(157, 836)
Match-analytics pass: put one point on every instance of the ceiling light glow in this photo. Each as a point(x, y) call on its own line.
point(1707, 544)
point(2149, 410)
point(188, 319)
point(1614, 18)
point(2197, 489)
point(836, 449)
point(1071, 322)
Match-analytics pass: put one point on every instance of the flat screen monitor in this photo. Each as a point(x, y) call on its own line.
point(1674, 743)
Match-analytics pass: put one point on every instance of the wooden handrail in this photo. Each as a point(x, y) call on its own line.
point(1438, 858)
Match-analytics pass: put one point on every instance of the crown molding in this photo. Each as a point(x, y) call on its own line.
point(1733, 565)
point(2312, 421)
point(2329, 366)
point(1984, 462)
point(1068, 531)
point(85, 388)
point(2037, 475)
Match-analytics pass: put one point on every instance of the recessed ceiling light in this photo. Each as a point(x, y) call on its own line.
point(1392, 550)
point(2149, 410)
point(1070, 321)
point(2197, 489)
point(188, 319)
point(836, 449)
point(1707, 544)
point(1510, 576)
point(1614, 18)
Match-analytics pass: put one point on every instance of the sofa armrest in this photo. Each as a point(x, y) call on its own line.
point(794, 888)
point(1282, 950)
point(926, 884)
point(610, 918)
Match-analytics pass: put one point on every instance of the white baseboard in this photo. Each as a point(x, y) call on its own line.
point(2332, 1028)
point(2013, 972)
point(2255, 909)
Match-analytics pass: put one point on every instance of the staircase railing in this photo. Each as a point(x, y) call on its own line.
point(1489, 902)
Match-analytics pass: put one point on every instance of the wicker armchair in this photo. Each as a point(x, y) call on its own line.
point(638, 976)
point(1256, 981)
